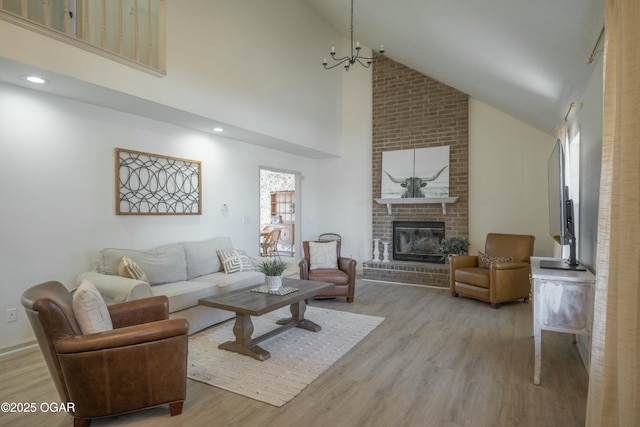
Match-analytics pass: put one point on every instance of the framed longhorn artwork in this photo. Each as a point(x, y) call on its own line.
point(415, 173)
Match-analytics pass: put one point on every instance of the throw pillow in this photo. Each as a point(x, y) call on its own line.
point(235, 261)
point(485, 261)
point(323, 255)
point(90, 310)
point(129, 268)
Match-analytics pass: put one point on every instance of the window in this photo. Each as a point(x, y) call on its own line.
point(573, 179)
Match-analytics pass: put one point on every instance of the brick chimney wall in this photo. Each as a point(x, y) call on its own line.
point(411, 110)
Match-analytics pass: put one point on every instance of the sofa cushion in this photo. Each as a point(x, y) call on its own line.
point(90, 309)
point(337, 277)
point(162, 265)
point(231, 282)
point(235, 261)
point(185, 294)
point(323, 255)
point(485, 261)
point(202, 257)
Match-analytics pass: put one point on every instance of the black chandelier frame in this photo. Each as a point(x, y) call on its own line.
point(348, 61)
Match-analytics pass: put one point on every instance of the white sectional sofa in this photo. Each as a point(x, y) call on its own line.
point(184, 272)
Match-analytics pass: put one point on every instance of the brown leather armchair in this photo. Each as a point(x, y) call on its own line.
point(141, 363)
point(502, 281)
point(344, 278)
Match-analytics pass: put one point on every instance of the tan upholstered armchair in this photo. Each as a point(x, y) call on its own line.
point(343, 277)
point(141, 363)
point(503, 280)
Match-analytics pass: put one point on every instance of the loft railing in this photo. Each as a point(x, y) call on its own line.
point(131, 31)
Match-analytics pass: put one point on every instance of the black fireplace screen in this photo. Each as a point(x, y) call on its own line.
point(417, 241)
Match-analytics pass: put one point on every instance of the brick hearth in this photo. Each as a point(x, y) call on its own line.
point(411, 110)
point(417, 273)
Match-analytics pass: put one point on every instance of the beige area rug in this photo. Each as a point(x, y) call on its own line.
point(297, 356)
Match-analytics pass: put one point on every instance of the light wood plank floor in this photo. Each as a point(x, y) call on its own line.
point(435, 361)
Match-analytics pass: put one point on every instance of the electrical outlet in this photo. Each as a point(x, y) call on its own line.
point(12, 315)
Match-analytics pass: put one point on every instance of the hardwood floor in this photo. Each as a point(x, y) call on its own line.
point(435, 361)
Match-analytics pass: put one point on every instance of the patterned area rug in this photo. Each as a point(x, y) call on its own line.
point(297, 356)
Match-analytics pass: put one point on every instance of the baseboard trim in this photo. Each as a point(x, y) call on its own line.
point(17, 348)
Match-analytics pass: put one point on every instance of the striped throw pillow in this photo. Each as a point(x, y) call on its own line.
point(235, 261)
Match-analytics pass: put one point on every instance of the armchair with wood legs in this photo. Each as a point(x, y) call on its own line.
point(499, 274)
point(342, 274)
point(140, 363)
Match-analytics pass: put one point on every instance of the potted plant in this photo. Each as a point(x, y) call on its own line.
point(273, 269)
point(454, 246)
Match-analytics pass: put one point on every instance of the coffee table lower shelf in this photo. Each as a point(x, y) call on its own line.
point(243, 329)
point(246, 303)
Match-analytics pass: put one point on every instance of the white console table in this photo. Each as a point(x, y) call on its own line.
point(562, 302)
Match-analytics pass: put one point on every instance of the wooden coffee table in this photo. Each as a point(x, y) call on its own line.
point(246, 303)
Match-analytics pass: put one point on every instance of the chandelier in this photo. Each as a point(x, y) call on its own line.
point(347, 61)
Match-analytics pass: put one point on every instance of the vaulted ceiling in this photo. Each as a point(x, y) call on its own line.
point(527, 58)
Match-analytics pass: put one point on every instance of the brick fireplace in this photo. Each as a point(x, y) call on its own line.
point(411, 110)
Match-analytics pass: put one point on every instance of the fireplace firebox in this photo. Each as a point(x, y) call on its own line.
point(418, 241)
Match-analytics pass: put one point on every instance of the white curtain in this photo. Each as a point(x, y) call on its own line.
point(614, 379)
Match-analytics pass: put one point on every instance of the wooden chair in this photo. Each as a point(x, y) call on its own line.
point(269, 247)
point(330, 236)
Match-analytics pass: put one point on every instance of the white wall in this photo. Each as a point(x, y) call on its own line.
point(507, 178)
point(343, 196)
point(57, 170)
point(252, 64)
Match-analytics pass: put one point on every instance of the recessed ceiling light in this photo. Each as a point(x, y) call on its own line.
point(218, 129)
point(35, 79)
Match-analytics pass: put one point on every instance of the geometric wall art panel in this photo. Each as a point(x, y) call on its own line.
point(152, 184)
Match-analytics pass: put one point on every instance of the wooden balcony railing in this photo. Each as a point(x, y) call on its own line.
point(132, 30)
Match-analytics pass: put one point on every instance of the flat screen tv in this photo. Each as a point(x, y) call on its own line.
point(561, 219)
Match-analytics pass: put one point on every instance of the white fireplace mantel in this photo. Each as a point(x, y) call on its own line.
point(418, 200)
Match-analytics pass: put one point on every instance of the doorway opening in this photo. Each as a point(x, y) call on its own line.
point(279, 206)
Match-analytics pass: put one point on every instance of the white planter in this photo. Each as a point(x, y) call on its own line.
point(273, 282)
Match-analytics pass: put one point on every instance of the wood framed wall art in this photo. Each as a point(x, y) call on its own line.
point(152, 184)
